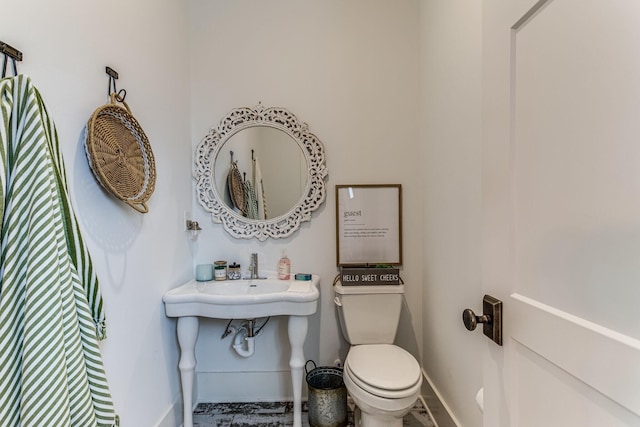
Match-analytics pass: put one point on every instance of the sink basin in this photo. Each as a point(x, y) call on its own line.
point(243, 299)
point(242, 288)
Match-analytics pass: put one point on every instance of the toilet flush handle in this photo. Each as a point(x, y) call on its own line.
point(337, 301)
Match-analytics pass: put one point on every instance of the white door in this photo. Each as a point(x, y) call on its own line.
point(561, 195)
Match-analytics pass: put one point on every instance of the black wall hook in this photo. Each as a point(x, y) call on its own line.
point(10, 52)
point(113, 76)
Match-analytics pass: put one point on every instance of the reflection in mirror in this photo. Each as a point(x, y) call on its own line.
point(260, 173)
point(274, 165)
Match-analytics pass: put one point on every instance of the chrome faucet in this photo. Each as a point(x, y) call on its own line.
point(253, 267)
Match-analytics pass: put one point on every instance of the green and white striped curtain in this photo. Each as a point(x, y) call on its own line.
point(51, 314)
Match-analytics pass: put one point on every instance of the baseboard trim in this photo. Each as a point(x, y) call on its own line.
point(173, 415)
point(438, 409)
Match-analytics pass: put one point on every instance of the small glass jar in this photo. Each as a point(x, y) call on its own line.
point(234, 271)
point(220, 270)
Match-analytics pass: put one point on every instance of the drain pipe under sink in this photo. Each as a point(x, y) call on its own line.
point(243, 335)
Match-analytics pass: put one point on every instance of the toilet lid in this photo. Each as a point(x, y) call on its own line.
point(383, 366)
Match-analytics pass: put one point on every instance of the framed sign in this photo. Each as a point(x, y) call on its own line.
point(369, 225)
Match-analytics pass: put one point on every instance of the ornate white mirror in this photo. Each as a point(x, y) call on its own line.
point(260, 173)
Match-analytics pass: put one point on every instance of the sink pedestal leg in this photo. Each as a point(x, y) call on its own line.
point(187, 335)
point(297, 334)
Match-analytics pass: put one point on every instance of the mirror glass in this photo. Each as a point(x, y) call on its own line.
point(260, 172)
point(274, 165)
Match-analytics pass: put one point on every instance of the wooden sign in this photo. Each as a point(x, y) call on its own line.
point(369, 276)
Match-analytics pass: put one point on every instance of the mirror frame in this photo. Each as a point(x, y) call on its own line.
point(207, 152)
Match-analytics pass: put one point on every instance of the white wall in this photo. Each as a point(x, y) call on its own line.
point(348, 69)
point(66, 46)
point(451, 157)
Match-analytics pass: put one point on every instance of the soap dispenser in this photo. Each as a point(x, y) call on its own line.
point(284, 267)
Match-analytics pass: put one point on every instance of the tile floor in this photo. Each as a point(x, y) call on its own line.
point(278, 414)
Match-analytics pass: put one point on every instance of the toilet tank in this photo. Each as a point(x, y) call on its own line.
point(369, 314)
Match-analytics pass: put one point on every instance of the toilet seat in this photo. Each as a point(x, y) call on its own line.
point(383, 370)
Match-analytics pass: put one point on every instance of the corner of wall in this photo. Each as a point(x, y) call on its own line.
point(173, 416)
point(438, 409)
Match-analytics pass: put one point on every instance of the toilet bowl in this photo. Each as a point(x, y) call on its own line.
point(383, 379)
point(384, 382)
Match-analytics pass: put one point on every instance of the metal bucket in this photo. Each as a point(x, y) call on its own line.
point(327, 396)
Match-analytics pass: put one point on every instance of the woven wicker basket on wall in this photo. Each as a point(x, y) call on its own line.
point(120, 155)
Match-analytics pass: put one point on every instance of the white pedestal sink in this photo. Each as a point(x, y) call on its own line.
point(242, 299)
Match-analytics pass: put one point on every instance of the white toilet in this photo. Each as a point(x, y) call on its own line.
point(383, 379)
